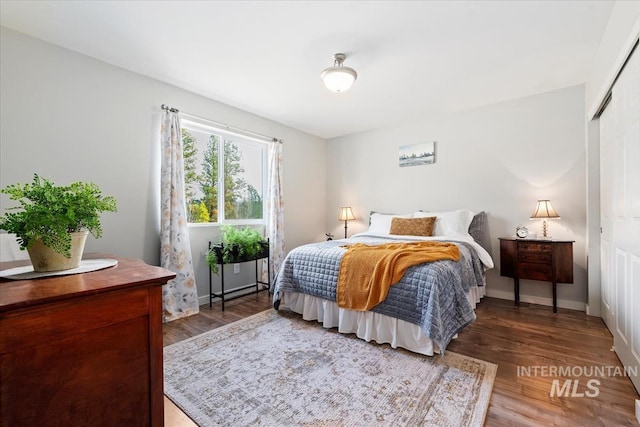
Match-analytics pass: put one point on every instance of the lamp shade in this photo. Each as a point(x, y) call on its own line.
point(346, 214)
point(338, 78)
point(544, 210)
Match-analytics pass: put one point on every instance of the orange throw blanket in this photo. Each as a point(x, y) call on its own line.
point(368, 271)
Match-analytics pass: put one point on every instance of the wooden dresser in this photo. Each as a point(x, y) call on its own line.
point(546, 260)
point(83, 350)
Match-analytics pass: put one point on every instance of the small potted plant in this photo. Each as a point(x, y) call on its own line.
point(237, 245)
point(52, 222)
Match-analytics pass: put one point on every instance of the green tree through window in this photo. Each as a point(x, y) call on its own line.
point(189, 158)
point(242, 200)
point(209, 180)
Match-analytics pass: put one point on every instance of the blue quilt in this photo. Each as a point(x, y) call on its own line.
point(431, 295)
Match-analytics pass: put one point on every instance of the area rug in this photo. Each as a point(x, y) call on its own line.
point(275, 369)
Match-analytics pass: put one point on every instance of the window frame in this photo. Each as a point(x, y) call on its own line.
point(223, 137)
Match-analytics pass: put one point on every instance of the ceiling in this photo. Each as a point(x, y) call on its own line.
point(413, 58)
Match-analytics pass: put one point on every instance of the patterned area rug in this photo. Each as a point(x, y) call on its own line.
point(275, 369)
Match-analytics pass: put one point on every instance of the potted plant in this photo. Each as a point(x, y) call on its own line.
point(237, 245)
point(52, 222)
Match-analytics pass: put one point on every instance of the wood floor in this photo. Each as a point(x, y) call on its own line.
point(513, 338)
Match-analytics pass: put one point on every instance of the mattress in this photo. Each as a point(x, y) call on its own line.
point(436, 298)
point(368, 325)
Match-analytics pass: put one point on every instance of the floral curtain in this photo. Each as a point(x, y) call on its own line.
point(180, 295)
point(275, 211)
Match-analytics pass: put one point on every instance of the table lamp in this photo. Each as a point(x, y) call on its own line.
point(346, 214)
point(544, 211)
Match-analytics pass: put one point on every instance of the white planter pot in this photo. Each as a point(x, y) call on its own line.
point(46, 259)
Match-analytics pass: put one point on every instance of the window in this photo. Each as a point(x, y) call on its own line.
point(224, 175)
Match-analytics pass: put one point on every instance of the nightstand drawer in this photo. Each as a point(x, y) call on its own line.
point(529, 270)
point(537, 257)
point(534, 247)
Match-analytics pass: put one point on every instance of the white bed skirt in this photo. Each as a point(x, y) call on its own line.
point(368, 325)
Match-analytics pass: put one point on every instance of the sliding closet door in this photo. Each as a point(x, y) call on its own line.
point(620, 214)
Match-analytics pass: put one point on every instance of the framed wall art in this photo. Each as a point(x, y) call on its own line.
point(417, 154)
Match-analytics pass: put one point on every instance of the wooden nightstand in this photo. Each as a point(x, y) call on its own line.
point(546, 260)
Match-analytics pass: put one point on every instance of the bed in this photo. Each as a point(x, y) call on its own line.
point(427, 308)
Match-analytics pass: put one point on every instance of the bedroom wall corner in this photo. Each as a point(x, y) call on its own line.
point(498, 158)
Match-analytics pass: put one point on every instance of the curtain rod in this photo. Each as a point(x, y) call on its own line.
point(224, 125)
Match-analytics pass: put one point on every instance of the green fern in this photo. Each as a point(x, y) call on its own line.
point(51, 212)
point(247, 241)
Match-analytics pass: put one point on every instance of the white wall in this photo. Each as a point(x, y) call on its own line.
point(614, 47)
point(500, 158)
point(69, 117)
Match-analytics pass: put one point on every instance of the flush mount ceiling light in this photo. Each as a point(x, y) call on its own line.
point(338, 78)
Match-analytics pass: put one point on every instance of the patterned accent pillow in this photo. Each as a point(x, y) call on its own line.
point(413, 226)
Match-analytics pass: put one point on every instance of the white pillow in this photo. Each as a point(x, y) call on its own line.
point(450, 223)
point(381, 223)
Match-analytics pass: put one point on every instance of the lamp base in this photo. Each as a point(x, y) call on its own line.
point(545, 231)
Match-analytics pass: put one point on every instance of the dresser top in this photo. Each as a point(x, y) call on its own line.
point(128, 273)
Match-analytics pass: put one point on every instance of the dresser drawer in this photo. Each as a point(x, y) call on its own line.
point(533, 271)
point(534, 247)
point(537, 257)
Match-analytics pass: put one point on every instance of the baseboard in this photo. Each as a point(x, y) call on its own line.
point(569, 304)
point(204, 299)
